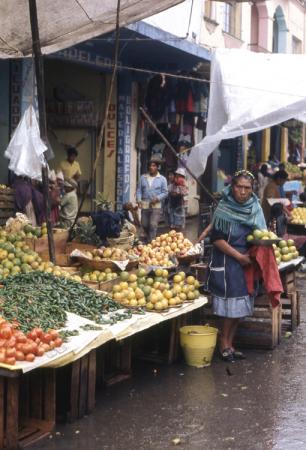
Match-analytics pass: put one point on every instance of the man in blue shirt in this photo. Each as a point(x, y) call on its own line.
point(151, 191)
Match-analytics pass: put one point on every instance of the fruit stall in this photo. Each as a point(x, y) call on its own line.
point(74, 324)
point(68, 327)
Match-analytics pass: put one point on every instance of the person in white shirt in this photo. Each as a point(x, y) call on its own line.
point(151, 191)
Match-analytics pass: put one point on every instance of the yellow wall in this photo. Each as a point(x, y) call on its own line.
point(91, 86)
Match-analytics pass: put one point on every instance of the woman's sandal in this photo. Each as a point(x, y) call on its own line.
point(227, 355)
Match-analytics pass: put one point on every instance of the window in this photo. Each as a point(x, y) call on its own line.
point(232, 19)
point(296, 45)
point(210, 10)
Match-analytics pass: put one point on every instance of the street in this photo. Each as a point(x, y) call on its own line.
point(257, 404)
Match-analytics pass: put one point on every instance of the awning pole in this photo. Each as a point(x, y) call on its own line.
point(40, 82)
point(168, 144)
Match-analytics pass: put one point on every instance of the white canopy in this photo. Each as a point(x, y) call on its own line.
point(249, 92)
point(63, 23)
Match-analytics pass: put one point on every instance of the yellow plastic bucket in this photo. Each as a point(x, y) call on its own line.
point(198, 343)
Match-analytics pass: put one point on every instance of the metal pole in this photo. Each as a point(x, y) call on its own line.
point(39, 72)
point(153, 125)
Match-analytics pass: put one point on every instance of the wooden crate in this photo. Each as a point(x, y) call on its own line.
point(114, 362)
point(7, 206)
point(300, 281)
point(76, 388)
point(60, 242)
point(290, 312)
point(161, 344)
point(288, 281)
point(263, 330)
point(27, 407)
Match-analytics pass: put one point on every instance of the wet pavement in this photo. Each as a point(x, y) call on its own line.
point(257, 404)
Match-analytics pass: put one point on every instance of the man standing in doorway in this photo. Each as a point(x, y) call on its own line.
point(70, 167)
point(152, 190)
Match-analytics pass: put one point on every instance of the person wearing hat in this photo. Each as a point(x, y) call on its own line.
point(178, 190)
point(151, 191)
point(69, 204)
point(70, 167)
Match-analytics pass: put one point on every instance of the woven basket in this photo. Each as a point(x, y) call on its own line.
point(105, 264)
point(124, 241)
point(187, 259)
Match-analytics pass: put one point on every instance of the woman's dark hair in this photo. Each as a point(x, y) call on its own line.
point(276, 210)
point(280, 175)
point(243, 174)
point(264, 169)
point(72, 151)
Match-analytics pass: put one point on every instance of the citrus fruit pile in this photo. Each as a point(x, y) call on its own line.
point(100, 276)
point(285, 251)
point(261, 235)
point(35, 232)
point(298, 216)
point(155, 292)
point(112, 253)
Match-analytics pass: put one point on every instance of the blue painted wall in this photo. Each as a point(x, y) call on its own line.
point(4, 118)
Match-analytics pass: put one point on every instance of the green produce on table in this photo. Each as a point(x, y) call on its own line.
point(285, 251)
point(39, 299)
point(17, 257)
point(99, 276)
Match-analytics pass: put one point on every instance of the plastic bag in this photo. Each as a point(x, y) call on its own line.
point(26, 149)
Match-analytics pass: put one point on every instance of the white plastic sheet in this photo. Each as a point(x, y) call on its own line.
point(249, 92)
point(26, 149)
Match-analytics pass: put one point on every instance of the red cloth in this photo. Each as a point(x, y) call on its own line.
point(264, 267)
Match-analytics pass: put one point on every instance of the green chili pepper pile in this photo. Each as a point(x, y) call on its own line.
point(39, 299)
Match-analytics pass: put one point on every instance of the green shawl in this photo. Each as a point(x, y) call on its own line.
point(230, 214)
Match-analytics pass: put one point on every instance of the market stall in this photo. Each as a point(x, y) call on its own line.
point(74, 325)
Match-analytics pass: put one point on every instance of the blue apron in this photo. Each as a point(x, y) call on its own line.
point(226, 275)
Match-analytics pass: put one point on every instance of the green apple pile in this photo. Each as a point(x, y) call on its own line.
point(155, 292)
point(285, 251)
point(35, 232)
point(261, 235)
point(98, 276)
point(17, 257)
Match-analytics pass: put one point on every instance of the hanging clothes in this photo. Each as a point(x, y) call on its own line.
point(156, 99)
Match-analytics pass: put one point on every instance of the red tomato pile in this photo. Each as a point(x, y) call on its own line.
point(18, 346)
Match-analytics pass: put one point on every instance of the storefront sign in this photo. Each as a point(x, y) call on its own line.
point(110, 152)
point(124, 142)
point(110, 131)
point(83, 56)
point(16, 81)
point(71, 114)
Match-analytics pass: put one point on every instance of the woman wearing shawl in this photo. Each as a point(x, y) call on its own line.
point(238, 213)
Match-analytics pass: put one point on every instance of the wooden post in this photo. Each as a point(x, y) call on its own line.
point(39, 72)
point(245, 146)
point(284, 144)
point(265, 150)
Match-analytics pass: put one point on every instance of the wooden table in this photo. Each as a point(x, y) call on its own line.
point(27, 407)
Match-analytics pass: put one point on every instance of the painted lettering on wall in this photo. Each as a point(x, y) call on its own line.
point(124, 147)
point(16, 81)
point(86, 57)
point(110, 131)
